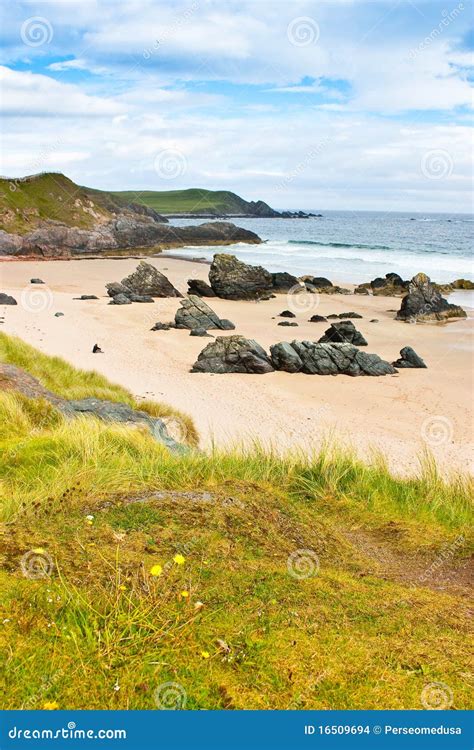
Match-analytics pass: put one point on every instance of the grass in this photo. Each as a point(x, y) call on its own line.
point(193, 200)
point(227, 620)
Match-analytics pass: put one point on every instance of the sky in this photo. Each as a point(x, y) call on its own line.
point(347, 104)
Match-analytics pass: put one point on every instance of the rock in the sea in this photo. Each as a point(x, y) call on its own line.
point(287, 323)
point(200, 332)
point(120, 299)
point(317, 319)
point(36, 281)
point(232, 279)
point(425, 303)
point(195, 313)
point(286, 314)
point(233, 354)
point(6, 299)
point(409, 358)
point(146, 280)
point(343, 332)
point(327, 359)
point(200, 288)
point(283, 282)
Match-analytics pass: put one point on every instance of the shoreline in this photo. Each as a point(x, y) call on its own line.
point(396, 415)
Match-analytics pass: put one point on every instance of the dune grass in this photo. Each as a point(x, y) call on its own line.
point(249, 579)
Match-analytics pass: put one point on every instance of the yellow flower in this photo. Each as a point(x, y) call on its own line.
point(205, 654)
point(50, 706)
point(156, 570)
point(179, 559)
point(185, 594)
point(122, 587)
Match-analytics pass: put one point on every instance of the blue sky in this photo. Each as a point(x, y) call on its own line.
point(341, 104)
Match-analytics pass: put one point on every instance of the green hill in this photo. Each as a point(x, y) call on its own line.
point(192, 201)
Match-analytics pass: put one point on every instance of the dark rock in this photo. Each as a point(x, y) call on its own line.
point(200, 288)
point(425, 303)
point(96, 349)
point(283, 282)
point(391, 286)
point(36, 281)
point(287, 323)
point(162, 327)
point(232, 279)
point(233, 354)
point(362, 289)
point(195, 313)
point(146, 280)
point(140, 298)
point(327, 359)
point(317, 319)
point(333, 316)
point(120, 299)
point(320, 282)
point(352, 315)
point(344, 332)
point(5, 299)
point(115, 288)
point(86, 296)
point(200, 332)
point(287, 314)
point(59, 315)
point(374, 320)
point(409, 358)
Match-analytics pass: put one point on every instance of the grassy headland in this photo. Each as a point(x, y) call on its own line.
point(191, 201)
point(248, 579)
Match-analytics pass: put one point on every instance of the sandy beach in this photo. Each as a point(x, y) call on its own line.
point(399, 415)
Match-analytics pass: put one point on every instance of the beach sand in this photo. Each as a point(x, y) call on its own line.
point(400, 415)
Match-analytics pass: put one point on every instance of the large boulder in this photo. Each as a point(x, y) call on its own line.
point(195, 313)
point(6, 299)
point(200, 288)
point(409, 358)
point(327, 359)
point(283, 282)
point(233, 354)
point(425, 303)
point(343, 332)
point(232, 279)
point(146, 280)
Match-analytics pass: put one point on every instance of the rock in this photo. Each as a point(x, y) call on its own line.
point(233, 354)
point(344, 332)
point(321, 285)
point(5, 299)
point(391, 286)
point(114, 288)
point(120, 299)
point(146, 280)
point(140, 298)
point(425, 303)
point(317, 319)
point(86, 296)
point(232, 279)
point(327, 359)
point(162, 327)
point(352, 315)
point(286, 314)
point(96, 349)
point(409, 358)
point(374, 320)
point(200, 288)
point(195, 313)
point(462, 284)
point(283, 282)
point(200, 332)
point(287, 323)
point(362, 289)
point(36, 281)
point(333, 316)
point(320, 282)
point(59, 315)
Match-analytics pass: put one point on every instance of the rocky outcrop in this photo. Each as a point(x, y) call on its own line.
point(327, 359)
point(53, 239)
point(145, 283)
point(391, 286)
point(195, 313)
point(343, 332)
point(6, 299)
point(200, 288)
point(15, 379)
point(233, 354)
point(425, 303)
point(283, 282)
point(321, 285)
point(232, 279)
point(409, 359)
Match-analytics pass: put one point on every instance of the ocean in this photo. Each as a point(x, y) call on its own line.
point(357, 246)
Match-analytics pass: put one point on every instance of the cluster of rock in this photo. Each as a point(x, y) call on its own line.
point(238, 354)
point(196, 316)
point(391, 286)
point(343, 332)
point(321, 285)
point(143, 285)
point(425, 303)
